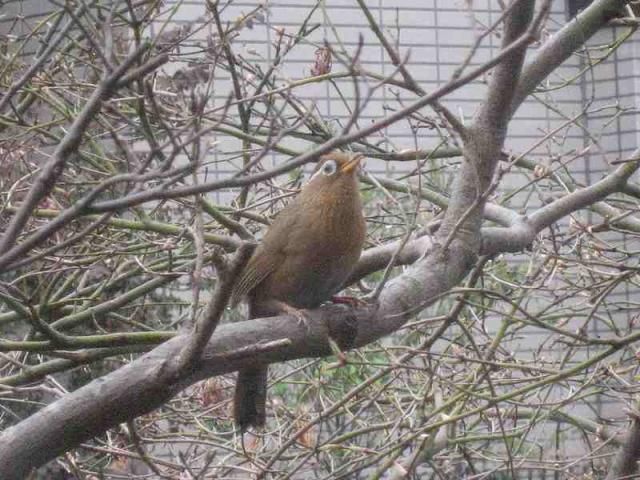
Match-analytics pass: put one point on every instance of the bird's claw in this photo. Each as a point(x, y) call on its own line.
point(302, 318)
point(353, 302)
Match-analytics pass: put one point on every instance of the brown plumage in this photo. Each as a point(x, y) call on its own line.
point(304, 258)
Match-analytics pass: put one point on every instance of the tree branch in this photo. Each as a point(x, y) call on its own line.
point(625, 465)
point(563, 44)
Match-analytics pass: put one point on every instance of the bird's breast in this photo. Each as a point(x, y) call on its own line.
point(319, 258)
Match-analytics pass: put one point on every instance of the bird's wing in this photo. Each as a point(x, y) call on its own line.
point(259, 267)
point(270, 254)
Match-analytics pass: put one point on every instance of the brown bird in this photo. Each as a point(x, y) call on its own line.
point(304, 258)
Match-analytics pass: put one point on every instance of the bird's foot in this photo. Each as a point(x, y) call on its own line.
point(353, 302)
point(302, 317)
point(300, 314)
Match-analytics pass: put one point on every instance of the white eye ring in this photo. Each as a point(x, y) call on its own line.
point(329, 168)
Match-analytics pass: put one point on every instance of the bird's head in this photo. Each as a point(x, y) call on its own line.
point(336, 168)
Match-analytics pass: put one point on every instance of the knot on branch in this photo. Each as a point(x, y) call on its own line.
point(465, 245)
point(343, 329)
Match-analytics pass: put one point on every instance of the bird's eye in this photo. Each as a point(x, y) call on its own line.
point(329, 167)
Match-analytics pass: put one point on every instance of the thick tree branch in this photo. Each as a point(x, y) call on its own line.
point(563, 44)
point(485, 137)
point(625, 464)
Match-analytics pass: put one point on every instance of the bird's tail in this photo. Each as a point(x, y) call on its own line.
point(250, 397)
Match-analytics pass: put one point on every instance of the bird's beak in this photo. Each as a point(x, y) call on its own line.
point(352, 164)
